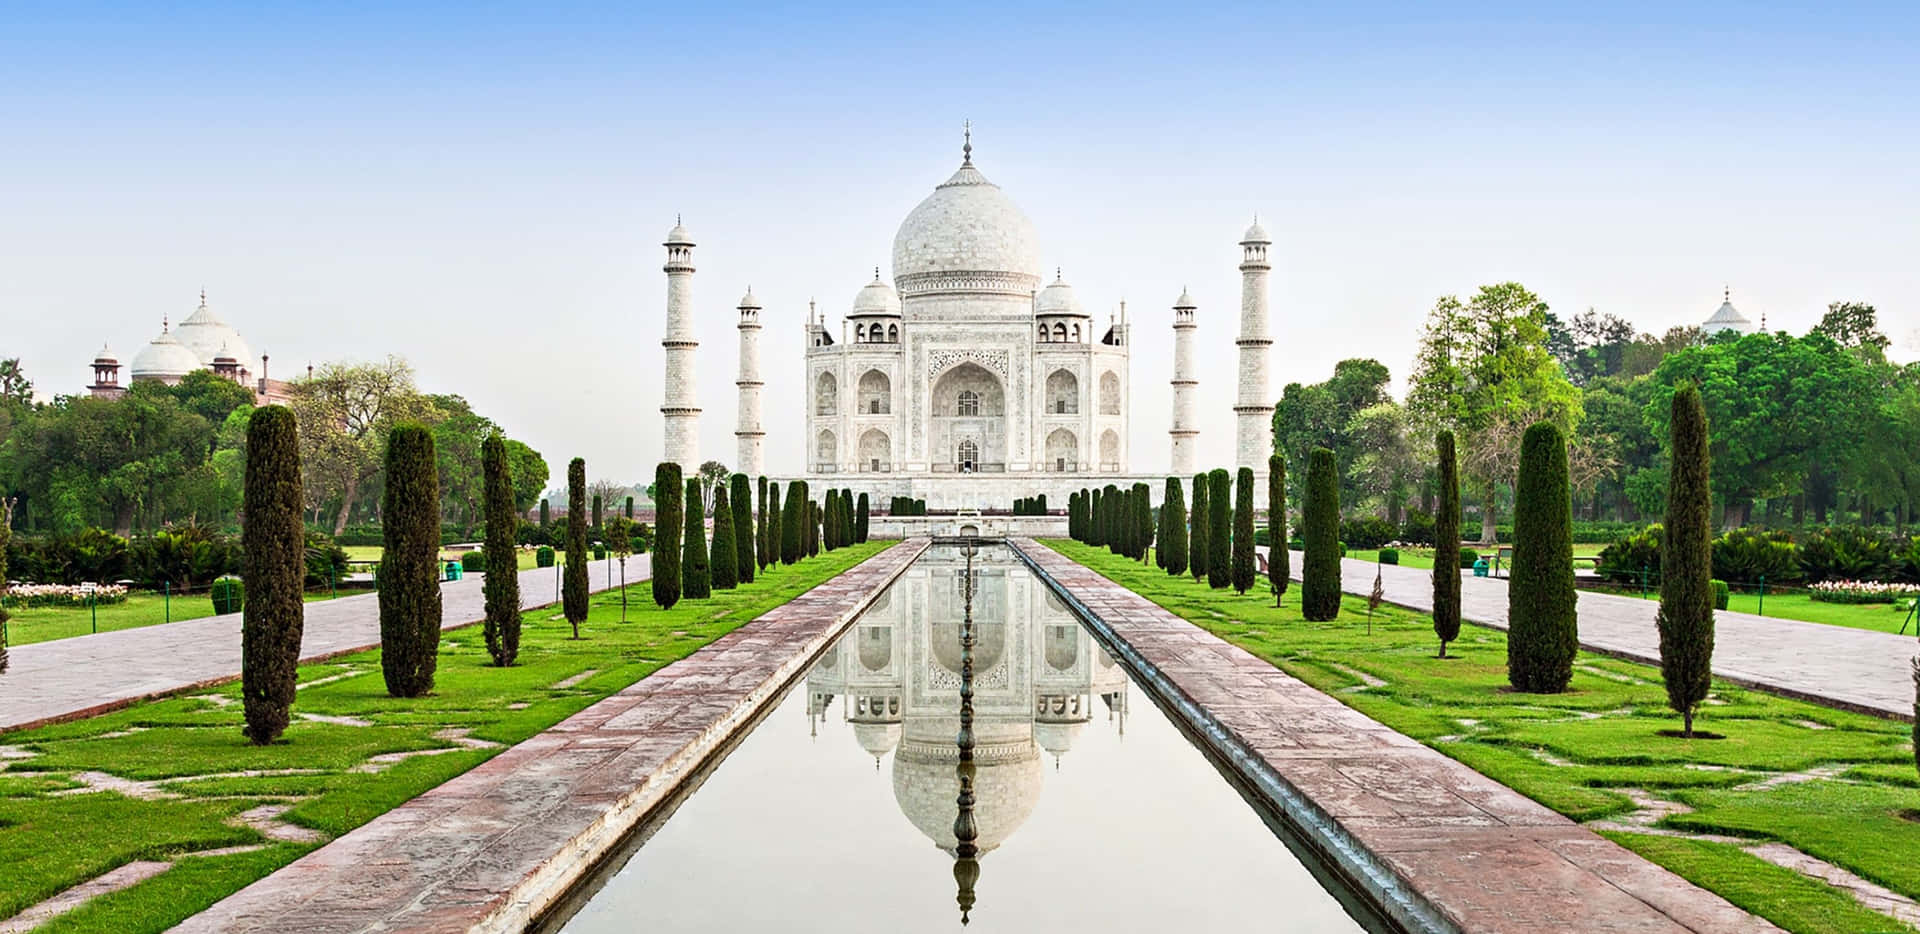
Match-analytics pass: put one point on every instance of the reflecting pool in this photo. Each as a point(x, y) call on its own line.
point(846, 809)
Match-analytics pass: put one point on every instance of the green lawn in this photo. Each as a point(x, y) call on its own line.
point(1580, 751)
point(1422, 558)
point(1881, 617)
point(44, 624)
point(51, 842)
point(526, 556)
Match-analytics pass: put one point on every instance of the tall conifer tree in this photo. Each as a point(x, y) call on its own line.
point(573, 583)
point(1446, 545)
point(274, 556)
point(1243, 572)
point(1198, 551)
point(1320, 534)
point(695, 584)
point(1543, 632)
point(741, 499)
point(502, 586)
point(1173, 529)
point(669, 524)
point(720, 570)
point(410, 563)
point(1219, 528)
point(1279, 553)
point(1686, 561)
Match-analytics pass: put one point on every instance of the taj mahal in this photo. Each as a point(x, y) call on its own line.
point(969, 380)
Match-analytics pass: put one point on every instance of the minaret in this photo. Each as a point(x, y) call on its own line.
point(682, 416)
point(751, 438)
point(1254, 411)
point(1183, 382)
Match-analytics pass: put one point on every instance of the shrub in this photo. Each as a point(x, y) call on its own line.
point(1367, 532)
point(1446, 539)
point(1417, 529)
point(1279, 561)
point(720, 569)
point(1748, 556)
point(229, 595)
point(1685, 618)
point(599, 551)
point(1543, 634)
point(740, 497)
point(276, 564)
point(694, 582)
point(1243, 571)
point(1846, 552)
point(501, 627)
point(1390, 556)
point(410, 563)
point(1627, 558)
point(1721, 594)
point(1320, 531)
point(543, 556)
point(573, 578)
point(1861, 591)
point(1906, 560)
point(326, 561)
point(473, 562)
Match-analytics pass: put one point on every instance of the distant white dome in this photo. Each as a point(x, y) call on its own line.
point(876, 298)
point(1256, 234)
point(967, 236)
point(105, 357)
point(1058, 299)
point(208, 337)
point(165, 358)
point(679, 235)
point(1726, 318)
point(748, 301)
point(1185, 300)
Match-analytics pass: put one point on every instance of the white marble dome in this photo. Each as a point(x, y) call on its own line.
point(1006, 787)
point(1058, 299)
point(165, 358)
point(209, 337)
point(967, 226)
point(876, 298)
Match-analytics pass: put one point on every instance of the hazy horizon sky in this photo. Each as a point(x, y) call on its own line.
point(483, 188)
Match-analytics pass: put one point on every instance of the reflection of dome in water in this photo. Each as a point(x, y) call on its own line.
point(1057, 738)
point(1005, 788)
point(876, 647)
point(877, 739)
point(1063, 647)
point(989, 643)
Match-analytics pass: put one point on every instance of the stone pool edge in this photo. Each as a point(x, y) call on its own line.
point(1431, 900)
point(506, 873)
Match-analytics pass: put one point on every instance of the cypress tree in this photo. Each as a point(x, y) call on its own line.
point(667, 528)
point(1320, 532)
point(629, 507)
point(1543, 634)
point(274, 546)
point(791, 539)
point(1094, 518)
point(1197, 550)
point(1040, 505)
point(848, 534)
point(861, 519)
point(1279, 556)
point(694, 582)
point(1243, 575)
point(502, 628)
point(1446, 545)
point(720, 569)
point(741, 497)
point(573, 582)
point(1114, 534)
point(1686, 561)
point(776, 523)
point(826, 518)
point(1219, 529)
point(409, 563)
point(812, 529)
point(544, 519)
point(596, 511)
point(760, 537)
point(1143, 519)
point(1160, 522)
point(1173, 529)
point(6, 536)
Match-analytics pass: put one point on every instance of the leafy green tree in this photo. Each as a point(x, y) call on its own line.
point(275, 550)
point(740, 497)
point(720, 569)
point(1320, 534)
point(530, 474)
point(1446, 545)
point(695, 583)
point(1543, 634)
point(345, 411)
point(1321, 414)
point(1198, 551)
point(1173, 529)
point(1686, 562)
point(573, 582)
point(409, 577)
point(211, 396)
point(668, 524)
point(712, 474)
point(502, 586)
point(1279, 556)
point(1243, 573)
point(1219, 528)
point(622, 536)
point(1855, 326)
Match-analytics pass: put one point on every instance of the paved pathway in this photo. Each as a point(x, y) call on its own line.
point(85, 675)
point(1856, 669)
point(493, 848)
point(1426, 832)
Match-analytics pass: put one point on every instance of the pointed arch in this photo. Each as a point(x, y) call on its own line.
point(826, 450)
point(1109, 393)
point(1063, 393)
point(876, 451)
point(876, 393)
point(826, 394)
point(1109, 450)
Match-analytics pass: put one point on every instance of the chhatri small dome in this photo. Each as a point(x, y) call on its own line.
point(225, 357)
point(1185, 301)
point(1058, 299)
point(678, 236)
point(105, 357)
point(165, 358)
point(1057, 738)
point(876, 298)
point(968, 225)
point(207, 336)
point(1256, 234)
point(877, 739)
point(748, 301)
point(1726, 318)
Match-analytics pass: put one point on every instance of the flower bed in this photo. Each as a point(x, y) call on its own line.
point(1861, 591)
point(29, 596)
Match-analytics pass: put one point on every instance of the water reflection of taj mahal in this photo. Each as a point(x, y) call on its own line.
point(1039, 678)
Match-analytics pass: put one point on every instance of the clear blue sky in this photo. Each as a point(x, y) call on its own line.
point(483, 187)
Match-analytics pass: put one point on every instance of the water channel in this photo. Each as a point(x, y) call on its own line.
point(849, 808)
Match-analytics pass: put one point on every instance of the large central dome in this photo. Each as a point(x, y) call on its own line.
point(967, 236)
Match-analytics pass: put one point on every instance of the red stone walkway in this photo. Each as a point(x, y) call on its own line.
point(492, 849)
point(1838, 666)
point(1400, 816)
point(85, 675)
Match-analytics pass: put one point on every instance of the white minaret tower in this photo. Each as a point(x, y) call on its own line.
point(1183, 382)
point(682, 416)
point(1254, 411)
point(751, 438)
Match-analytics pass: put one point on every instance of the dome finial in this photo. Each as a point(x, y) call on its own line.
point(966, 148)
point(1726, 293)
point(163, 324)
point(203, 296)
point(876, 273)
